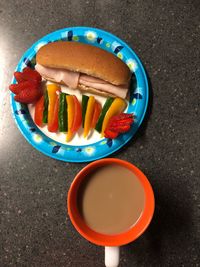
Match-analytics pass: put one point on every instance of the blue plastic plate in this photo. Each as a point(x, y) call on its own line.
point(102, 147)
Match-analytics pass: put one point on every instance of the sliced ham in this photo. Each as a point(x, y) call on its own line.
point(120, 90)
point(70, 78)
point(91, 79)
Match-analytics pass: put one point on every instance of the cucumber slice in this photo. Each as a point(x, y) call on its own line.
point(103, 113)
point(46, 104)
point(85, 99)
point(62, 115)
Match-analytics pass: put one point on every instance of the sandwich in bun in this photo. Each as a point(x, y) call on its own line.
point(84, 67)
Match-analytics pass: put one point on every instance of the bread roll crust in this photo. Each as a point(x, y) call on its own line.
point(86, 59)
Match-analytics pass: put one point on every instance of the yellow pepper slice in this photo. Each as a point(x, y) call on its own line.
point(117, 106)
point(51, 89)
point(88, 116)
point(70, 116)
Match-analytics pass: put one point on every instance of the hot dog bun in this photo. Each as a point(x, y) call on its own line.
point(84, 58)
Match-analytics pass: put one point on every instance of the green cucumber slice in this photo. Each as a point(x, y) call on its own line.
point(103, 113)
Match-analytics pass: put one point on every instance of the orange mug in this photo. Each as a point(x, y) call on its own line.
point(110, 242)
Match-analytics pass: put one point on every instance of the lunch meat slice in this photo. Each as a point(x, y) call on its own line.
point(72, 79)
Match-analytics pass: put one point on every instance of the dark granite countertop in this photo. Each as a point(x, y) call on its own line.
point(34, 228)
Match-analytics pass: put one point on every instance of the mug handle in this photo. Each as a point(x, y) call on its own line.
point(111, 256)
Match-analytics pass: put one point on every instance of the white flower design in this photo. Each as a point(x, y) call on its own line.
point(18, 105)
point(120, 55)
point(89, 150)
point(133, 101)
point(139, 90)
point(103, 142)
point(108, 45)
point(114, 45)
point(132, 64)
point(37, 138)
point(64, 34)
point(91, 36)
point(75, 38)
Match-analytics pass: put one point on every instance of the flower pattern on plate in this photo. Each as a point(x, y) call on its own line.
point(132, 64)
point(91, 36)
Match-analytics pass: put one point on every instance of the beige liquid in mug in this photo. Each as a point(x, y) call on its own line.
point(111, 199)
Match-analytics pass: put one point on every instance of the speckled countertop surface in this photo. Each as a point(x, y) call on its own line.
point(34, 228)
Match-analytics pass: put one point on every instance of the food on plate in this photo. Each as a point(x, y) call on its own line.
point(53, 96)
point(97, 112)
point(70, 116)
point(77, 115)
point(63, 112)
point(28, 74)
point(46, 104)
point(85, 67)
point(88, 116)
point(117, 106)
point(60, 111)
point(74, 116)
point(91, 110)
point(39, 109)
point(17, 88)
point(62, 115)
point(118, 124)
point(28, 89)
point(28, 95)
point(84, 107)
point(106, 106)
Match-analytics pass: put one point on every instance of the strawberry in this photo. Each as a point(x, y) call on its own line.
point(28, 75)
point(110, 134)
point(17, 88)
point(28, 89)
point(18, 76)
point(29, 95)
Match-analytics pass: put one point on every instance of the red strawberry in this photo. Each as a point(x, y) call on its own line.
point(110, 134)
point(29, 95)
point(18, 76)
point(17, 88)
point(30, 74)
